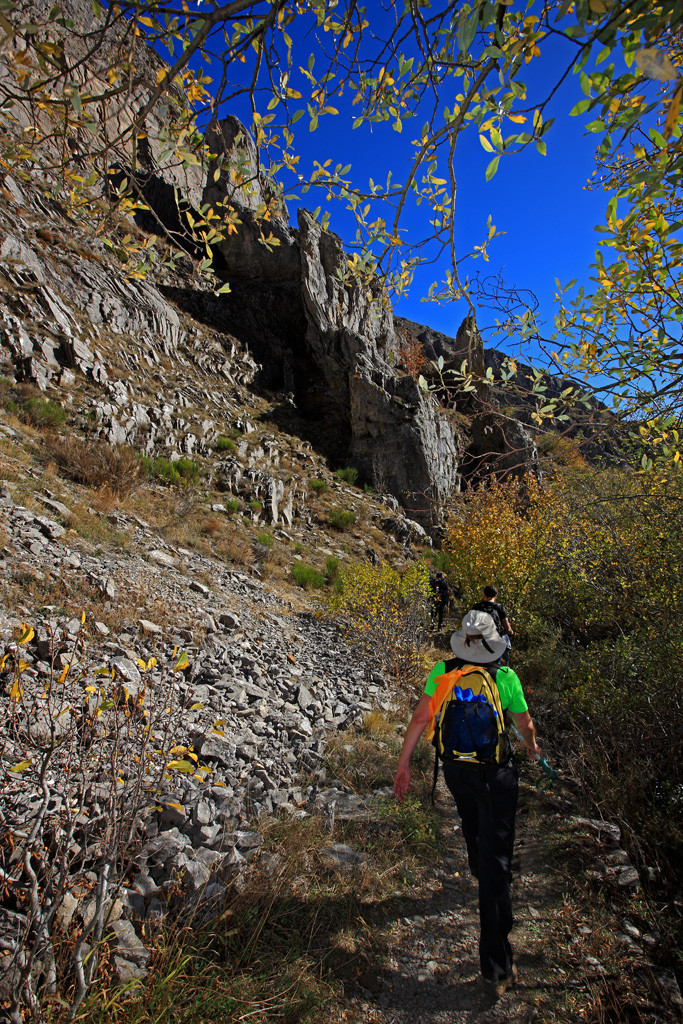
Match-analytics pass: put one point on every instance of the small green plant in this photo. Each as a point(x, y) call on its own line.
point(225, 444)
point(256, 505)
point(43, 413)
point(232, 505)
point(439, 560)
point(265, 539)
point(182, 471)
point(331, 568)
point(307, 577)
point(349, 474)
point(38, 411)
point(369, 489)
point(340, 518)
point(319, 486)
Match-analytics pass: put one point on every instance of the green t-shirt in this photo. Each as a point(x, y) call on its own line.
point(510, 689)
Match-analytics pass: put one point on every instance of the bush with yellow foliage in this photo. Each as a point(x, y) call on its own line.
point(384, 612)
point(590, 566)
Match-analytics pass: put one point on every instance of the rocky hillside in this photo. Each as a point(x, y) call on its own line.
point(170, 460)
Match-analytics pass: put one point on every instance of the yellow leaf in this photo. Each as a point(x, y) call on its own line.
point(196, 707)
point(151, 663)
point(27, 635)
point(673, 112)
point(65, 672)
point(161, 74)
point(142, 664)
point(185, 767)
point(82, 618)
point(16, 693)
point(22, 766)
point(182, 662)
point(176, 807)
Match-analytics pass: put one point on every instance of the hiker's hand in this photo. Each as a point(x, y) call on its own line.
point(533, 751)
point(402, 782)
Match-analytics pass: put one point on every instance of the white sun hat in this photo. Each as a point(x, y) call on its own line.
point(478, 642)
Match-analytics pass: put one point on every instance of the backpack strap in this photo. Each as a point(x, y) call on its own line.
point(444, 684)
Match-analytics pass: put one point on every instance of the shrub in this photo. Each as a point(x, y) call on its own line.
point(225, 444)
point(38, 411)
point(349, 474)
point(256, 505)
point(106, 748)
point(95, 463)
point(439, 560)
point(211, 526)
point(232, 505)
point(340, 518)
point(307, 577)
point(331, 568)
point(384, 613)
point(265, 539)
point(182, 471)
point(319, 486)
point(43, 413)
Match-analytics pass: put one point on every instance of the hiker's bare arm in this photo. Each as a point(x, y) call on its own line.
point(527, 731)
point(418, 724)
point(507, 627)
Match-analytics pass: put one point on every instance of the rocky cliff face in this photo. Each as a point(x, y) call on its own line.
point(293, 322)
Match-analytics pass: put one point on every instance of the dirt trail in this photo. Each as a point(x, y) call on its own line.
point(568, 949)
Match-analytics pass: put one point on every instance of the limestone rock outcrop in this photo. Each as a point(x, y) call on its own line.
point(295, 319)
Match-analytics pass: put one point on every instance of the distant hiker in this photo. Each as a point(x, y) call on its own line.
point(498, 612)
point(441, 595)
point(462, 707)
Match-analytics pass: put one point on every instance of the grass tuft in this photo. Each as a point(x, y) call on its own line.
point(307, 577)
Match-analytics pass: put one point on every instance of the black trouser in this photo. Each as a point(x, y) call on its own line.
point(486, 798)
point(438, 609)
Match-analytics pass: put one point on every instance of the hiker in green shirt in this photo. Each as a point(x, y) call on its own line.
point(485, 793)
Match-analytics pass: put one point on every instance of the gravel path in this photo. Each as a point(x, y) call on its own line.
point(569, 950)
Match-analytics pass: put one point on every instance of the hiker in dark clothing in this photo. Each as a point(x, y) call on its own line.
point(440, 598)
point(485, 793)
point(498, 612)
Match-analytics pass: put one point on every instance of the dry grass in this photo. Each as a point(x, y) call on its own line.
point(95, 528)
point(96, 463)
point(105, 500)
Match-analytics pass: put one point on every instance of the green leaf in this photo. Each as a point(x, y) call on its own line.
point(492, 167)
point(466, 34)
point(579, 107)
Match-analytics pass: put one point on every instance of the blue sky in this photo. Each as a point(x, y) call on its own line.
point(538, 201)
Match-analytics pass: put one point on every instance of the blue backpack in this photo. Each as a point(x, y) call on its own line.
point(466, 717)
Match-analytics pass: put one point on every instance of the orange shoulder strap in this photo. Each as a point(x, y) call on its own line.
point(444, 685)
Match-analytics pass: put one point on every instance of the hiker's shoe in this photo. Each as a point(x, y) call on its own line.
point(496, 989)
